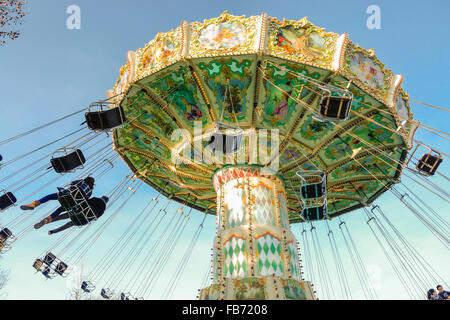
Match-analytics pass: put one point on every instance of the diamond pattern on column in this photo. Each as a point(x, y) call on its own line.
point(294, 263)
point(268, 256)
point(264, 210)
point(235, 258)
point(283, 211)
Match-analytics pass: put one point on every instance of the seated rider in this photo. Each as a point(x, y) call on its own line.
point(433, 295)
point(93, 208)
point(444, 295)
point(85, 185)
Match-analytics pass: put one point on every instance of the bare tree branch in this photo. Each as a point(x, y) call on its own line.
point(11, 17)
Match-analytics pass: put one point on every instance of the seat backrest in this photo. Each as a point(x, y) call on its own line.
point(46, 272)
point(5, 233)
point(49, 258)
point(227, 144)
point(7, 200)
point(105, 119)
point(314, 213)
point(60, 268)
point(335, 107)
point(313, 190)
point(66, 201)
point(38, 264)
point(68, 162)
point(429, 163)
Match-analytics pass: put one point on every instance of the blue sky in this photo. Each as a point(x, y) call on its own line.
point(51, 71)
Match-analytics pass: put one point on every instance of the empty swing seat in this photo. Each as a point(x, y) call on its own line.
point(68, 162)
point(60, 268)
point(106, 293)
point(314, 190)
point(226, 144)
point(49, 258)
point(7, 200)
point(86, 286)
point(429, 164)
point(38, 264)
point(105, 120)
point(314, 213)
point(333, 107)
point(5, 233)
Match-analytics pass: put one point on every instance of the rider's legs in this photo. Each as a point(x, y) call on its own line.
point(50, 218)
point(62, 228)
point(36, 203)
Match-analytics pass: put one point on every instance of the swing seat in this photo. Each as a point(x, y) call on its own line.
point(335, 108)
point(1, 158)
point(428, 164)
point(49, 258)
point(106, 293)
point(105, 120)
point(314, 213)
point(69, 162)
point(47, 272)
point(124, 296)
point(226, 143)
point(38, 264)
point(7, 200)
point(314, 190)
point(87, 211)
point(60, 268)
point(87, 287)
point(72, 199)
point(5, 233)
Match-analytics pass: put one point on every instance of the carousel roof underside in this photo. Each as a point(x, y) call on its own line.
point(183, 76)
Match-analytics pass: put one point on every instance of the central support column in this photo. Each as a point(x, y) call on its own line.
point(255, 253)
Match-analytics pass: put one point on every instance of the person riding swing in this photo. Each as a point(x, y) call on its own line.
point(81, 214)
point(85, 186)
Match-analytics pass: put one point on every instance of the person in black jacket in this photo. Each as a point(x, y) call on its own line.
point(92, 209)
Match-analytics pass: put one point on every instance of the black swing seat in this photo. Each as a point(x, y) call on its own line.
point(313, 190)
point(70, 199)
point(428, 164)
point(60, 268)
point(225, 143)
point(336, 108)
point(105, 120)
point(49, 258)
point(48, 273)
point(87, 287)
point(1, 158)
point(7, 200)
point(5, 234)
point(87, 211)
point(68, 162)
point(316, 188)
point(315, 213)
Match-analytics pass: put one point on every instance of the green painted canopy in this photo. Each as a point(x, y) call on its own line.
point(259, 67)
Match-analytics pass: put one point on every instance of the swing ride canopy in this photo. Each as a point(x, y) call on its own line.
point(257, 69)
